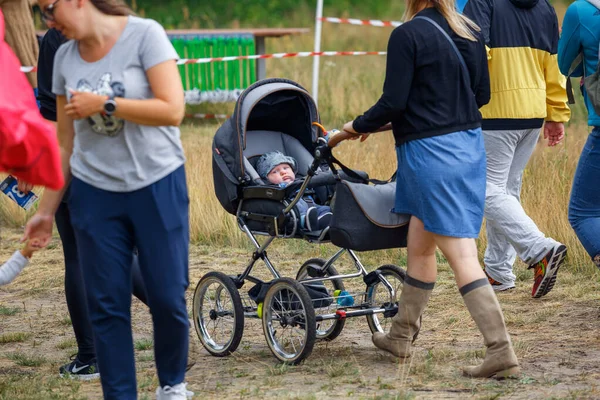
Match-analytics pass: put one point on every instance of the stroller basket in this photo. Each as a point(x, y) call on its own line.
point(363, 218)
point(316, 290)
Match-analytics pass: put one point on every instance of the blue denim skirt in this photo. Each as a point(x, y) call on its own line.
point(441, 181)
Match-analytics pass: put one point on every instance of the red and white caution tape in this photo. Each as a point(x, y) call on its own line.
point(207, 116)
point(282, 55)
point(264, 56)
point(353, 21)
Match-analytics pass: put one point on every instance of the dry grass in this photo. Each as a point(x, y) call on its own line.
point(14, 337)
point(349, 86)
point(554, 337)
point(546, 188)
point(545, 194)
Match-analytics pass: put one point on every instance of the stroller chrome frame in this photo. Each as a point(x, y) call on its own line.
point(361, 271)
point(279, 114)
point(311, 316)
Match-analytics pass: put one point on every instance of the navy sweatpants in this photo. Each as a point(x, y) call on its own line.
point(74, 286)
point(108, 225)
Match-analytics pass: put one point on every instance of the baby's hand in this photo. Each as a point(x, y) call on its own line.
point(31, 246)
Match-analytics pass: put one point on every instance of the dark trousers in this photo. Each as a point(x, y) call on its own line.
point(108, 226)
point(75, 289)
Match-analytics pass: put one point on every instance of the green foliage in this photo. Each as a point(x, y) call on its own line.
point(263, 13)
point(4, 310)
point(208, 14)
point(27, 360)
point(143, 344)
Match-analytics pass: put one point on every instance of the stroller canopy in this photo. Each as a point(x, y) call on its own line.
point(279, 105)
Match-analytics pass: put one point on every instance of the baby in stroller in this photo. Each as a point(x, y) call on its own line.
point(280, 170)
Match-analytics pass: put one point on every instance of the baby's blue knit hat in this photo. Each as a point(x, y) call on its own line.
point(270, 160)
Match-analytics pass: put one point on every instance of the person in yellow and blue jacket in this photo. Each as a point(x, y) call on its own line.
point(527, 92)
point(581, 34)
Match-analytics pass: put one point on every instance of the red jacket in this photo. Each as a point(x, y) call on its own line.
point(28, 145)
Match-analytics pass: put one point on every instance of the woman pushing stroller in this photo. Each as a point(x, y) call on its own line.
point(436, 80)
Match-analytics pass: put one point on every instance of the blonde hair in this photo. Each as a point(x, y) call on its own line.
point(460, 24)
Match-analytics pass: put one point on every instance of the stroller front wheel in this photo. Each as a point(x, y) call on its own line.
point(379, 296)
point(218, 314)
point(288, 321)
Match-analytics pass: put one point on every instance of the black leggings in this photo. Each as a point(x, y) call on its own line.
point(75, 289)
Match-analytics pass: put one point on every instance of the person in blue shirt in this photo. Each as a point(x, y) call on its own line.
point(581, 34)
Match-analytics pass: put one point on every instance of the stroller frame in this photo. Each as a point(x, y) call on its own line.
point(314, 305)
point(261, 253)
point(288, 288)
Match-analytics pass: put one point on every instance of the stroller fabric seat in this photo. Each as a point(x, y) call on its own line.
point(279, 115)
point(261, 142)
point(273, 114)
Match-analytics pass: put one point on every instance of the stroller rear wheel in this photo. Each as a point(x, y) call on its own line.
point(289, 321)
point(328, 329)
point(378, 295)
point(218, 314)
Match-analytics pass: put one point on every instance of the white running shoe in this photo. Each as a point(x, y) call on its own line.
point(177, 392)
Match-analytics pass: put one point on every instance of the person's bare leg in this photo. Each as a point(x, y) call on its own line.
point(500, 359)
point(421, 262)
point(415, 294)
point(461, 254)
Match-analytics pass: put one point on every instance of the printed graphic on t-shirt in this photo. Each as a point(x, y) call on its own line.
point(104, 124)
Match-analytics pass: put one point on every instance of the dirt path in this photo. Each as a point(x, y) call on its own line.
point(557, 340)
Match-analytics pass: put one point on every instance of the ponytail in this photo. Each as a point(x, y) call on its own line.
point(459, 24)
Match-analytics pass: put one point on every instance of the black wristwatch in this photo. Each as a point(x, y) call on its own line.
point(110, 106)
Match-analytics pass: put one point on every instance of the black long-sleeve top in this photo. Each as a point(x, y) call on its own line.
point(50, 43)
point(426, 92)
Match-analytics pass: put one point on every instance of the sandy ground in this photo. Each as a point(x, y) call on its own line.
point(556, 339)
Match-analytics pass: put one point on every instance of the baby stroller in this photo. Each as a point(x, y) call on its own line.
point(278, 114)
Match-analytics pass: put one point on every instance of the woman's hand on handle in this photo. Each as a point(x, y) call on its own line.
point(349, 128)
point(348, 132)
point(39, 229)
point(340, 137)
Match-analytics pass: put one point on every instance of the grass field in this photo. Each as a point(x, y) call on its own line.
point(556, 340)
point(556, 337)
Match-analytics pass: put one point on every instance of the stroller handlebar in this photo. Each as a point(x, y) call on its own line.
point(340, 137)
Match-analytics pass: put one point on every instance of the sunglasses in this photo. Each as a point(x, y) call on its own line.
point(48, 12)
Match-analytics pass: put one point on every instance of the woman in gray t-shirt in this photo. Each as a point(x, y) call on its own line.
point(119, 103)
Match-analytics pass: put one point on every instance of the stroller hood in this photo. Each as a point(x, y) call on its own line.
point(279, 105)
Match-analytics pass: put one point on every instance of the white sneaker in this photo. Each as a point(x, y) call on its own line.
point(177, 392)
